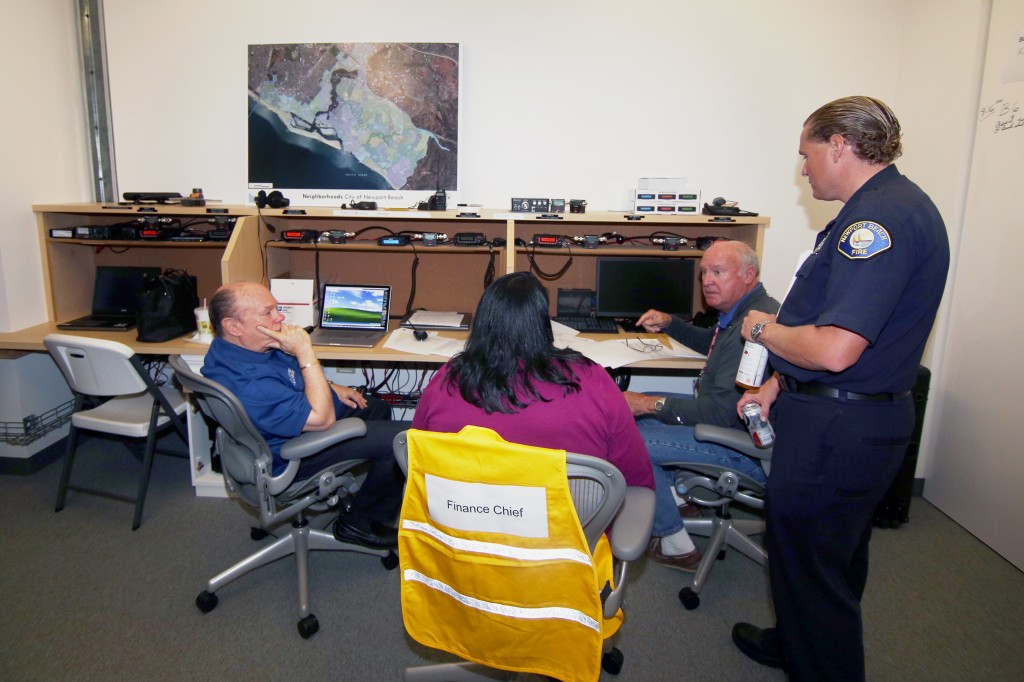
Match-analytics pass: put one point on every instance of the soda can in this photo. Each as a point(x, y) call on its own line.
point(761, 431)
point(752, 365)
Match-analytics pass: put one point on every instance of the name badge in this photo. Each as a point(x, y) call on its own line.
point(508, 509)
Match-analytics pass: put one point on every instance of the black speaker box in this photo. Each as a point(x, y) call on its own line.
point(894, 509)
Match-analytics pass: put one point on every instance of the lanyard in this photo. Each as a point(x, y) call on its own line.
point(696, 384)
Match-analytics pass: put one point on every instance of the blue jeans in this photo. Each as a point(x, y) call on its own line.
point(676, 443)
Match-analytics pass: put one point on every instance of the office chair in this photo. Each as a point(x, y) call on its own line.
point(246, 462)
point(475, 591)
point(114, 394)
point(717, 487)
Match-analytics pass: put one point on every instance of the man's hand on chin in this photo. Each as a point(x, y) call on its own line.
point(291, 339)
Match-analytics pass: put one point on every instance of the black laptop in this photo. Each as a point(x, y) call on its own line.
point(353, 315)
point(114, 299)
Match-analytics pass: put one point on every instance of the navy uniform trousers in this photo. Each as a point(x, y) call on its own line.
point(832, 463)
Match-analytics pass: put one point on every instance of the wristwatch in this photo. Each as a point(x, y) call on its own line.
point(755, 331)
point(659, 405)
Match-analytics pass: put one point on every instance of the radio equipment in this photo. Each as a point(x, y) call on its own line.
point(300, 235)
point(590, 241)
point(92, 232)
point(670, 243)
point(220, 234)
point(393, 240)
point(470, 239)
point(553, 241)
point(520, 205)
point(335, 236)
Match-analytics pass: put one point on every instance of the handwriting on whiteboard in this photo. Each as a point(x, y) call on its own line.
point(1002, 115)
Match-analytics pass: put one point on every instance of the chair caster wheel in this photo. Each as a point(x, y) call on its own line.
point(206, 601)
point(689, 598)
point(257, 533)
point(611, 662)
point(308, 626)
point(390, 561)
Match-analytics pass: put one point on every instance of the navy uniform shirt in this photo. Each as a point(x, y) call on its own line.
point(877, 270)
point(270, 387)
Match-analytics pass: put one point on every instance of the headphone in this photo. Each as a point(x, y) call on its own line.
point(274, 200)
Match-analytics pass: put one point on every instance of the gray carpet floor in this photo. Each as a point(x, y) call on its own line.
point(82, 597)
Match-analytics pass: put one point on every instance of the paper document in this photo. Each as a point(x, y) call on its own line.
point(403, 340)
point(621, 352)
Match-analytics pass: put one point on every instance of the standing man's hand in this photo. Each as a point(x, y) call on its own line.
point(752, 318)
point(764, 396)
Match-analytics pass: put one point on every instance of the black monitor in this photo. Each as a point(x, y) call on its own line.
point(629, 287)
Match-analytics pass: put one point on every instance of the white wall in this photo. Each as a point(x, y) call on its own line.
point(44, 160)
point(573, 98)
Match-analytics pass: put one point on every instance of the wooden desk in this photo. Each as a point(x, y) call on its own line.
point(30, 339)
point(207, 482)
point(450, 277)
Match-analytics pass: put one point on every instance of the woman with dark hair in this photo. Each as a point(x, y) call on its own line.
point(511, 378)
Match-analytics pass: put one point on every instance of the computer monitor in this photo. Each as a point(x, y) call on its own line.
point(629, 287)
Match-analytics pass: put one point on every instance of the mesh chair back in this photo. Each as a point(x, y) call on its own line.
point(597, 488)
point(95, 367)
point(239, 443)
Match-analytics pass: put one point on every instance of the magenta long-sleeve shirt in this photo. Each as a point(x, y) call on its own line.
point(593, 421)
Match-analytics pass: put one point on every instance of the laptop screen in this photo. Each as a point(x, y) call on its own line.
point(355, 306)
point(117, 287)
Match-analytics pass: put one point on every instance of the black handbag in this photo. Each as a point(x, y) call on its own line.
point(167, 306)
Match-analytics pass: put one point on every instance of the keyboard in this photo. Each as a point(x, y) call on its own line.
point(592, 325)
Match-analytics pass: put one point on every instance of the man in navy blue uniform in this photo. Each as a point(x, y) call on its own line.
point(845, 349)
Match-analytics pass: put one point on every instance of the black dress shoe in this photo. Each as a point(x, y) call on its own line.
point(762, 645)
point(367, 533)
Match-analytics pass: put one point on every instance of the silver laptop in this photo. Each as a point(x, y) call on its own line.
point(352, 315)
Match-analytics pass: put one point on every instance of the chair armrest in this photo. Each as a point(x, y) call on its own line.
point(311, 442)
point(733, 439)
point(630, 532)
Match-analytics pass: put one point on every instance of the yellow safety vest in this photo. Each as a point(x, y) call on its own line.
point(495, 565)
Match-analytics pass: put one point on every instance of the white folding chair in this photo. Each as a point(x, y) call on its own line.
point(114, 394)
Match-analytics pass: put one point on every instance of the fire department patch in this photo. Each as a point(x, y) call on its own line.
point(864, 239)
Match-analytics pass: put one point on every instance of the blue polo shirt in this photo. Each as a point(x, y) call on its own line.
point(878, 270)
point(269, 386)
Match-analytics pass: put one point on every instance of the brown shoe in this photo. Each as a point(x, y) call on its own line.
point(681, 562)
point(689, 511)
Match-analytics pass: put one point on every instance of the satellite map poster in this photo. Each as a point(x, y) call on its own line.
point(330, 124)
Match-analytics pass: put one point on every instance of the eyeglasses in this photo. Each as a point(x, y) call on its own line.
point(641, 346)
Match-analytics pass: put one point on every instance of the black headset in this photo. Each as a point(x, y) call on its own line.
point(274, 200)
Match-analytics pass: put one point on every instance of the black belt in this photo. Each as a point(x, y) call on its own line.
point(814, 388)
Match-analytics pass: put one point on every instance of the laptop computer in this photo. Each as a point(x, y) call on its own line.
point(114, 299)
point(352, 315)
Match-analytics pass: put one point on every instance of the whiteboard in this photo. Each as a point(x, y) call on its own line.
point(978, 471)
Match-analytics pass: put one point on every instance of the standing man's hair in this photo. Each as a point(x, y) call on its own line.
point(864, 122)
